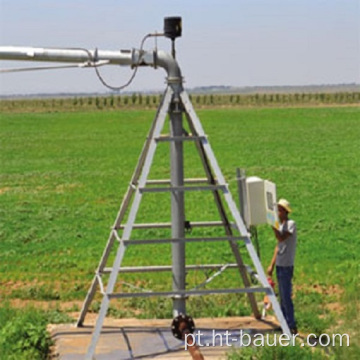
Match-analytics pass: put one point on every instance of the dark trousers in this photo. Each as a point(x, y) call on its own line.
point(284, 277)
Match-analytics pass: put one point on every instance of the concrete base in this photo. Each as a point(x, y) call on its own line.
point(152, 339)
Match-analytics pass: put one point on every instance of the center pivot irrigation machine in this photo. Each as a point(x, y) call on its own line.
point(175, 105)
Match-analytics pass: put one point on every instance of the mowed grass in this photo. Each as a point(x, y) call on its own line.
point(63, 176)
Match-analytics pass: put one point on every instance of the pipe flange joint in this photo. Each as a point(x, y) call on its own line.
point(182, 325)
point(174, 80)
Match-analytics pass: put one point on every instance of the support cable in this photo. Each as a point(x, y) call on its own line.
point(211, 278)
point(4, 71)
point(82, 65)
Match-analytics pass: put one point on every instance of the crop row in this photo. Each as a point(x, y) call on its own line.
point(138, 100)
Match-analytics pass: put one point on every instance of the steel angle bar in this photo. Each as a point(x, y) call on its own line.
point(181, 240)
point(184, 188)
point(180, 138)
point(161, 114)
point(159, 124)
point(105, 303)
point(95, 336)
point(92, 290)
point(193, 123)
point(190, 292)
point(148, 226)
point(236, 215)
point(168, 225)
point(164, 268)
point(206, 146)
point(167, 181)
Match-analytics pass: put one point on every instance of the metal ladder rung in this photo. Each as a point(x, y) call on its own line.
point(168, 181)
point(180, 138)
point(164, 268)
point(193, 224)
point(184, 188)
point(266, 290)
point(181, 240)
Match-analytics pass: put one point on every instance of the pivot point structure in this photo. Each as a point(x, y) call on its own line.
point(177, 107)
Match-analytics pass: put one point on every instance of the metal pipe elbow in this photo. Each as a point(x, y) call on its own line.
point(171, 66)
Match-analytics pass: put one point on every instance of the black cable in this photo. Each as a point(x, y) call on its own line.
point(254, 236)
point(117, 88)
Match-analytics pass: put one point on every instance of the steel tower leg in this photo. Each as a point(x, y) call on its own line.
point(224, 218)
point(160, 120)
point(162, 109)
point(235, 213)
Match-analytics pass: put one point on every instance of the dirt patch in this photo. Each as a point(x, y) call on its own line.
point(11, 285)
point(65, 187)
point(335, 307)
point(46, 305)
point(328, 289)
point(4, 190)
point(320, 289)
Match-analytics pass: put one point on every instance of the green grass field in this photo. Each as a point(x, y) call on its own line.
point(63, 176)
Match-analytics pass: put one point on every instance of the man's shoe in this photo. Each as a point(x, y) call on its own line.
point(294, 331)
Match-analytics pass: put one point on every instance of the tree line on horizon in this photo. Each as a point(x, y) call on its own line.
point(141, 101)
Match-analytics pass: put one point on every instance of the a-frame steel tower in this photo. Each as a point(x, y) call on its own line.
point(177, 105)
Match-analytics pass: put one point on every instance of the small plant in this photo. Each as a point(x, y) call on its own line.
point(56, 316)
point(95, 306)
point(24, 335)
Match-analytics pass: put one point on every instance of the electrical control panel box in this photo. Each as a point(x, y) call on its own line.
point(261, 202)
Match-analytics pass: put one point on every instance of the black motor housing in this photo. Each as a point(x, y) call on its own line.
point(172, 27)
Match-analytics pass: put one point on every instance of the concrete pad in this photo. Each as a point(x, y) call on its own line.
point(152, 339)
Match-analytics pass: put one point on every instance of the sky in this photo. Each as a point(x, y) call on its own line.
point(224, 42)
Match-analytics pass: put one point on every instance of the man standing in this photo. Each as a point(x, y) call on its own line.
point(284, 256)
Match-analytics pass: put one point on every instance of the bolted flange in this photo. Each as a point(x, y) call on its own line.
point(181, 325)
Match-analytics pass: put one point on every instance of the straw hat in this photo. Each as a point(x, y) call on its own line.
point(285, 204)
